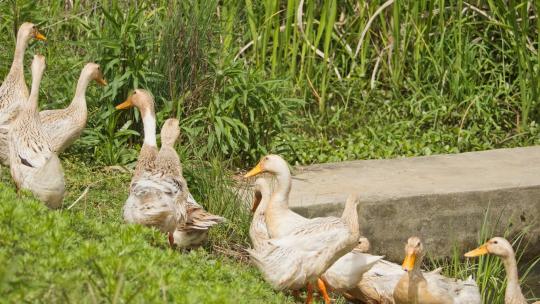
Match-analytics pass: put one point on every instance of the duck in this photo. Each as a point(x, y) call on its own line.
point(156, 194)
point(13, 91)
point(414, 287)
point(193, 231)
point(280, 220)
point(500, 247)
point(300, 256)
point(33, 164)
point(343, 275)
point(144, 102)
point(258, 233)
point(159, 196)
point(64, 126)
point(346, 272)
point(377, 284)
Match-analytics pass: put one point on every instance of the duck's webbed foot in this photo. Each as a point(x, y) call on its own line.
point(322, 288)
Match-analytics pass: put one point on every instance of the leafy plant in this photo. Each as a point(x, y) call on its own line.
point(243, 117)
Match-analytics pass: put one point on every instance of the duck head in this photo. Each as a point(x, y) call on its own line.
point(141, 99)
point(414, 251)
point(363, 245)
point(497, 246)
point(272, 163)
point(29, 30)
point(93, 71)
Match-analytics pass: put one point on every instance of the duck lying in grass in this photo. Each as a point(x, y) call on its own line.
point(502, 248)
point(159, 196)
point(415, 288)
point(34, 165)
point(299, 250)
point(13, 92)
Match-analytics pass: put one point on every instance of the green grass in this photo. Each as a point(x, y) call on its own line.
point(344, 80)
point(86, 254)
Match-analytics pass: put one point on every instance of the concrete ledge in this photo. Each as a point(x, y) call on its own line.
point(441, 198)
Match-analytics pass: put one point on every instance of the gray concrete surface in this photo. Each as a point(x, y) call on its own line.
point(442, 198)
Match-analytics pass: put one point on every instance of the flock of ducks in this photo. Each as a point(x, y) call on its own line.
point(294, 252)
point(291, 251)
point(30, 142)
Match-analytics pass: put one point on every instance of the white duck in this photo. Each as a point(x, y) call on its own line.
point(34, 166)
point(502, 248)
point(415, 288)
point(64, 126)
point(280, 220)
point(343, 275)
point(296, 257)
point(13, 91)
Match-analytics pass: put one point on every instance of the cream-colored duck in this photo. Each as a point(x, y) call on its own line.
point(13, 91)
point(193, 231)
point(297, 257)
point(258, 233)
point(377, 284)
point(64, 126)
point(344, 274)
point(156, 196)
point(280, 220)
point(413, 287)
point(502, 248)
point(34, 166)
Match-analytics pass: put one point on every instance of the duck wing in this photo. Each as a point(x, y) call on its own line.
point(346, 272)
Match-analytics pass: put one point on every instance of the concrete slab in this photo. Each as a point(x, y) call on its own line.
point(441, 198)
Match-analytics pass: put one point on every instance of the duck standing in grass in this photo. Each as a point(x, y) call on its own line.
point(502, 248)
point(13, 92)
point(415, 288)
point(295, 257)
point(156, 196)
point(64, 126)
point(159, 195)
point(34, 166)
point(192, 232)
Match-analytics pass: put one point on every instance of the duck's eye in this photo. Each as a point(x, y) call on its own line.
point(494, 242)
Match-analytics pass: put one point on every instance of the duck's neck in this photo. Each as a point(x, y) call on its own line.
point(32, 104)
point(79, 100)
point(18, 58)
point(513, 291)
point(280, 198)
point(415, 274)
point(350, 217)
point(149, 122)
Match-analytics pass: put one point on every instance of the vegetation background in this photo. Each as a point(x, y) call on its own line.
point(315, 81)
